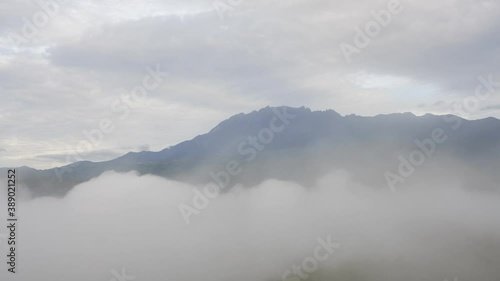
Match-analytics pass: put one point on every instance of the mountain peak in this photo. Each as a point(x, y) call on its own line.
point(308, 136)
point(263, 115)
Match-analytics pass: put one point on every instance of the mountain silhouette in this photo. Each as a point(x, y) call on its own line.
point(297, 144)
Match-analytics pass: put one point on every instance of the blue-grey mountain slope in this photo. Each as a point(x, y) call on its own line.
point(298, 144)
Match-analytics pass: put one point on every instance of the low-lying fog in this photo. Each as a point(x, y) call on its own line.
point(127, 222)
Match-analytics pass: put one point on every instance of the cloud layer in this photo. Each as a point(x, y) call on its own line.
point(125, 221)
point(64, 79)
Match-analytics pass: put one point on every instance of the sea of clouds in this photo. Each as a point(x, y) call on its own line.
point(128, 223)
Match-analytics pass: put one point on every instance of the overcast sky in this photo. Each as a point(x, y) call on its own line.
point(66, 76)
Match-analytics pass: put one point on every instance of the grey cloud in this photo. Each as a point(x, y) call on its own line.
point(266, 53)
point(439, 103)
point(144, 147)
point(98, 155)
point(491, 107)
point(197, 49)
point(434, 45)
point(133, 222)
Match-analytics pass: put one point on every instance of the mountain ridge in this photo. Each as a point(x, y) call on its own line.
point(312, 138)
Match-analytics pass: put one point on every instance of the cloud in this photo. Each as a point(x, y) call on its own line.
point(265, 53)
point(125, 221)
point(144, 147)
point(99, 155)
point(491, 107)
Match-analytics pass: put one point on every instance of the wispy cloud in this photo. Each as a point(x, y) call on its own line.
point(260, 55)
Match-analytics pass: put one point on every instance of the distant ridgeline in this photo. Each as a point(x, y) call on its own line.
point(297, 144)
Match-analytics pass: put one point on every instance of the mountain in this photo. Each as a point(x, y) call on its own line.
point(298, 144)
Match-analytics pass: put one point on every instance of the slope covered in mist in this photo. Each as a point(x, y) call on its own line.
point(300, 145)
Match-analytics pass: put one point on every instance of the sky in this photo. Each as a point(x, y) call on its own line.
point(69, 68)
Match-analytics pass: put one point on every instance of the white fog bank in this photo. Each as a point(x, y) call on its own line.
point(125, 221)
